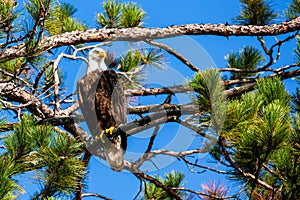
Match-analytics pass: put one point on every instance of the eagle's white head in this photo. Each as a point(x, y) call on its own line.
point(96, 60)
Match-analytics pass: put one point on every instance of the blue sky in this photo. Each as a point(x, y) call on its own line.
point(123, 185)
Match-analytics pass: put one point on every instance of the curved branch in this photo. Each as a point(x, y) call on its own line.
point(143, 176)
point(174, 53)
point(95, 195)
point(141, 34)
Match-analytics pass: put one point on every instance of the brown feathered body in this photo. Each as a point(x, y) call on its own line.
point(102, 102)
point(109, 100)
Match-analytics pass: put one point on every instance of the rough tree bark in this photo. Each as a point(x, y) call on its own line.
point(141, 34)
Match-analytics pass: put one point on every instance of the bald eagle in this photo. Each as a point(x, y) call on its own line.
point(102, 102)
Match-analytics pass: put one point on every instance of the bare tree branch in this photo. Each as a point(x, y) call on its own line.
point(95, 195)
point(141, 34)
point(204, 194)
point(156, 91)
point(152, 138)
point(203, 167)
point(249, 83)
point(140, 190)
point(174, 53)
point(56, 81)
point(86, 158)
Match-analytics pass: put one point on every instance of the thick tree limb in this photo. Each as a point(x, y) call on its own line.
point(157, 118)
point(18, 94)
point(160, 107)
point(157, 91)
point(249, 83)
point(141, 34)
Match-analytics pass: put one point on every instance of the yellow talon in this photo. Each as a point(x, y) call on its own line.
point(110, 130)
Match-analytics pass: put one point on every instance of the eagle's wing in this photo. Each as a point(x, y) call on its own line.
point(111, 112)
point(110, 100)
point(86, 90)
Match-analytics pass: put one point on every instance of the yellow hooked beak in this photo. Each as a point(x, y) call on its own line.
point(102, 54)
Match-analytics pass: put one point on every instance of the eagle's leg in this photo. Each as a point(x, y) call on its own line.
point(101, 136)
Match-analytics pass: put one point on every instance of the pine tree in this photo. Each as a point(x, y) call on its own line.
point(249, 122)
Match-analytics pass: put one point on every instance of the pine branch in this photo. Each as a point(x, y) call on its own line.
point(7, 126)
point(143, 176)
point(142, 34)
point(244, 174)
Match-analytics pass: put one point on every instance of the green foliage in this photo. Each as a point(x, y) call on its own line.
point(248, 58)
point(256, 12)
point(136, 62)
point(34, 7)
point(7, 14)
point(130, 61)
point(208, 85)
point(272, 90)
point(296, 100)
point(59, 19)
point(139, 58)
point(64, 169)
point(258, 128)
point(261, 136)
point(112, 15)
point(54, 156)
point(210, 97)
point(11, 66)
point(132, 15)
point(172, 179)
point(297, 51)
point(120, 15)
point(9, 189)
point(153, 57)
point(62, 15)
point(6, 9)
point(293, 10)
point(287, 162)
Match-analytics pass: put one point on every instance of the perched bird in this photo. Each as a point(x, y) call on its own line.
point(102, 102)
